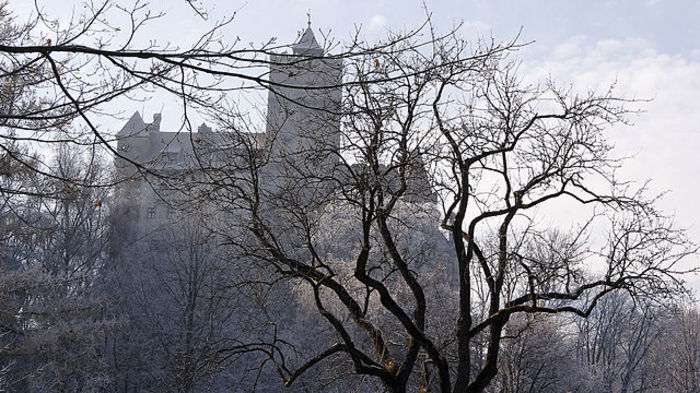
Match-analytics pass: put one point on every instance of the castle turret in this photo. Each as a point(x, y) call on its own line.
point(303, 123)
point(307, 45)
point(137, 141)
point(132, 142)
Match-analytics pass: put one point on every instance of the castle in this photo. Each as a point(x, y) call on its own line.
point(169, 262)
point(303, 128)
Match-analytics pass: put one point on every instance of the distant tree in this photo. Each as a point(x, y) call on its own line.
point(179, 298)
point(538, 356)
point(53, 241)
point(673, 363)
point(685, 345)
point(616, 341)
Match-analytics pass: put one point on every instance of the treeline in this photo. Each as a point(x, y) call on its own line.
point(85, 307)
point(315, 265)
point(624, 346)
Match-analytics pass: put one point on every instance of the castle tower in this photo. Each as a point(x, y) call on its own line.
point(303, 122)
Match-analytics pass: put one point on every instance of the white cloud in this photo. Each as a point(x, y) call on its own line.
point(376, 22)
point(477, 26)
point(474, 30)
point(569, 48)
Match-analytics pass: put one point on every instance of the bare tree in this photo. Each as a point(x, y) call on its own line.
point(685, 371)
point(61, 79)
point(615, 343)
point(420, 118)
point(538, 355)
point(497, 151)
point(673, 363)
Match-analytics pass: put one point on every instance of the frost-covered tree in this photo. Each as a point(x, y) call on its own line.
point(183, 299)
point(53, 241)
point(539, 356)
point(673, 362)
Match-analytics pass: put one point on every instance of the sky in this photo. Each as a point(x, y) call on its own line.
point(650, 47)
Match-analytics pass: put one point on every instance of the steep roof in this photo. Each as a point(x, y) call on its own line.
point(134, 126)
point(307, 44)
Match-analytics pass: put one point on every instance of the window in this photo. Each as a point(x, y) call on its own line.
point(151, 213)
point(171, 214)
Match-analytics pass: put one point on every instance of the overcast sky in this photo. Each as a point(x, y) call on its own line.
point(651, 47)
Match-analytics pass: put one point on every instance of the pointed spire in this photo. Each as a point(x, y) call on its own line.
point(307, 44)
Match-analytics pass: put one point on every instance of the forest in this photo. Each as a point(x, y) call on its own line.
point(422, 220)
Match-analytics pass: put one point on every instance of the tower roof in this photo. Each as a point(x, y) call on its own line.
point(307, 44)
point(134, 126)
